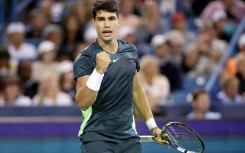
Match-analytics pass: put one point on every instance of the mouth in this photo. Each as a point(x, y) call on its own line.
point(107, 33)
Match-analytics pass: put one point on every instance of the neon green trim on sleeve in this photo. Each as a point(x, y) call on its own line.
point(86, 115)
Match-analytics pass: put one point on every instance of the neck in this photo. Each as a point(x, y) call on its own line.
point(110, 46)
point(149, 80)
point(199, 115)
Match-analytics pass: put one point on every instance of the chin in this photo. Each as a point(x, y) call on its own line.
point(107, 39)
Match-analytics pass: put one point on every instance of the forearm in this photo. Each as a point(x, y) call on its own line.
point(140, 100)
point(87, 89)
point(191, 58)
point(142, 105)
point(85, 97)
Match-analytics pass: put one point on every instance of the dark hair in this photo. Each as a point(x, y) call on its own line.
point(197, 92)
point(105, 5)
point(4, 54)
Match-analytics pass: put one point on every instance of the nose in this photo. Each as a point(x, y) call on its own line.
point(107, 23)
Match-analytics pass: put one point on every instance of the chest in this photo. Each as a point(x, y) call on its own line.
point(122, 64)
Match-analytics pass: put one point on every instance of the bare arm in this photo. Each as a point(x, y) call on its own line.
point(84, 97)
point(142, 105)
point(140, 99)
point(87, 87)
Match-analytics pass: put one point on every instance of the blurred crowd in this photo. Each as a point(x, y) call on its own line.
point(175, 39)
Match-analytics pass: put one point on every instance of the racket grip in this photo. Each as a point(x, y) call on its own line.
point(147, 138)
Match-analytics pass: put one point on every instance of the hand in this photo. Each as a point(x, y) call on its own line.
point(102, 62)
point(157, 133)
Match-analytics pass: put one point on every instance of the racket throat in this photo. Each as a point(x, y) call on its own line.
point(184, 150)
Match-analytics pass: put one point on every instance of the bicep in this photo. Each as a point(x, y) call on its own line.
point(136, 82)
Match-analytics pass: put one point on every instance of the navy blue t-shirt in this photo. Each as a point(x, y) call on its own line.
point(111, 115)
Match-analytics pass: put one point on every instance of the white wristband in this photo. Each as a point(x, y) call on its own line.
point(151, 123)
point(94, 81)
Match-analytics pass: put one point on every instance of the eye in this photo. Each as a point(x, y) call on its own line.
point(100, 19)
point(112, 18)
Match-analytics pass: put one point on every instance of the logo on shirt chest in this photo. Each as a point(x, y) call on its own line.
point(114, 60)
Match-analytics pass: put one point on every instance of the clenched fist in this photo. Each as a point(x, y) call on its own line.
point(102, 62)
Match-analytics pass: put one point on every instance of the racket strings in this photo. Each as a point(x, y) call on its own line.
point(181, 136)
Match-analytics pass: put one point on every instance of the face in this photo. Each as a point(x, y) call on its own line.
point(11, 91)
point(17, 38)
point(150, 69)
point(232, 88)
point(106, 25)
point(48, 57)
point(161, 51)
point(202, 103)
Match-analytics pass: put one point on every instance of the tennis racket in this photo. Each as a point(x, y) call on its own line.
point(179, 136)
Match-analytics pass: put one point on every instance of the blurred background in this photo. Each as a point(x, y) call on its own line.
point(192, 57)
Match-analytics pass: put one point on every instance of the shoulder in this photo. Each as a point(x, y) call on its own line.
point(213, 115)
point(89, 51)
point(124, 45)
point(28, 46)
point(23, 101)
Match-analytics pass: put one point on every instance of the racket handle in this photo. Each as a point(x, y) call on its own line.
point(146, 138)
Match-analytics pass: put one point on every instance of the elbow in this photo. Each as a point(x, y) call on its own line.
point(83, 104)
point(83, 107)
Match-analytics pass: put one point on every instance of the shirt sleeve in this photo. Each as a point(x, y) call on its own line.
point(84, 64)
point(136, 59)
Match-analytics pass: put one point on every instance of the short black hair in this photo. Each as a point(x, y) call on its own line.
point(105, 5)
point(197, 92)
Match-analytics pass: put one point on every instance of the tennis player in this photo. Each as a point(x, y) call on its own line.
point(107, 84)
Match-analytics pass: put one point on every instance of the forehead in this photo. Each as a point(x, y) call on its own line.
point(105, 14)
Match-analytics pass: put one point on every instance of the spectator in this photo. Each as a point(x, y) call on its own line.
point(161, 49)
point(219, 21)
point(66, 80)
point(235, 9)
point(241, 46)
point(241, 75)
point(58, 8)
point(28, 84)
point(180, 24)
point(7, 66)
point(72, 37)
point(82, 10)
point(47, 63)
point(129, 34)
point(202, 55)
point(49, 93)
point(200, 107)
point(229, 94)
point(156, 85)
point(127, 16)
point(18, 48)
point(231, 64)
point(151, 23)
point(37, 22)
point(11, 94)
point(45, 8)
point(54, 34)
point(176, 47)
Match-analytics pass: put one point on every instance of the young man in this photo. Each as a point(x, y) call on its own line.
point(200, 105)
point(107, 83)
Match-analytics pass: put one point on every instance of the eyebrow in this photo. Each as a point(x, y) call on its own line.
point(110, 17)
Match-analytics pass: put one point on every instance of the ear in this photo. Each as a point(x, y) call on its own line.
point(118, 20)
